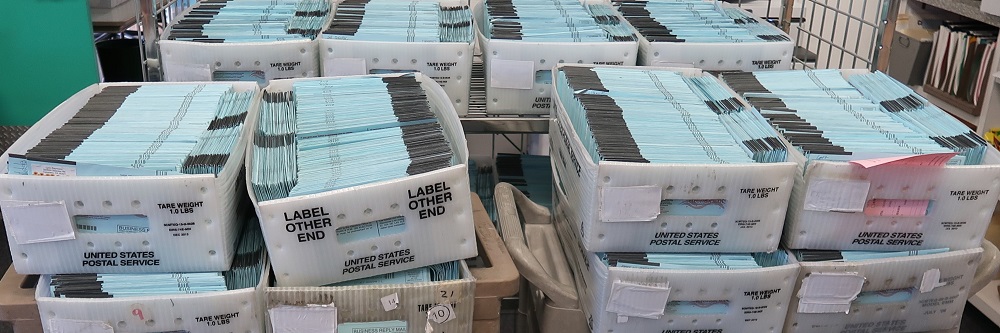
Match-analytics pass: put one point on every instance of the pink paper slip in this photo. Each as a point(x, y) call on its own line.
point(932, 160)
point(902, 208)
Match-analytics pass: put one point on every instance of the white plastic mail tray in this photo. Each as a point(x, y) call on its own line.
point(938, 207)
point(755, 194)
point(238, 310)
point(432, 307)
point(645, 300)
point(905, 294)
point(749, 56)
point(517, 72)
point(450, 64)
point(246, 61)
point(300, 232)
point(192, 220)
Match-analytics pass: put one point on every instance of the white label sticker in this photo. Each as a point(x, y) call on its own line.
point(673, 64)
point(848, 196)
point(188, 72)
point(303, 319)
point(512, 74)
point(51, 170)
point(345, 66)
point(57, 325)
point(931, 280)
point(638, 300)
point(829, 292)
point(441, 313)
point(630, 204)
point(390, 302)
point(37, 221)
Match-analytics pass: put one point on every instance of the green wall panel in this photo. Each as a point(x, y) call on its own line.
point(46, 55)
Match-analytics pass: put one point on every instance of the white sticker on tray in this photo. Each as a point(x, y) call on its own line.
point(441, 313)
point(630, 204)
point(829, 292)
point(512, 74)
point(32, 222)
point(931, 280)
point(58, 325)
point(187, 72)
point(345, 66)
point(303, 319)
point(638, 300)
point(390, 302)
point(52, 170)
point(846, 196)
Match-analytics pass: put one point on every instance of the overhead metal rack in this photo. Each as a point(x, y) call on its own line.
point(842, 33)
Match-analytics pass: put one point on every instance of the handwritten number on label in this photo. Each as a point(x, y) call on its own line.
point(441, 313)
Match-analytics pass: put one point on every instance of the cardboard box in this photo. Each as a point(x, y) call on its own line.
point(17, 303)
point(911, 49)
point(486, 326)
